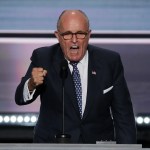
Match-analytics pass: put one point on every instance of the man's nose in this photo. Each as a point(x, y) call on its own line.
point(74, 38)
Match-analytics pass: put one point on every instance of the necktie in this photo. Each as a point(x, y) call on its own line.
point(77, 84)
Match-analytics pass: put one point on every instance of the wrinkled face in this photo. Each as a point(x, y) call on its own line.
point(73, 35)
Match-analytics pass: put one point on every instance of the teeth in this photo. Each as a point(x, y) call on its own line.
point(74, 46)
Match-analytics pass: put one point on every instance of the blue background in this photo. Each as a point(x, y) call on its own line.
point(103, 14)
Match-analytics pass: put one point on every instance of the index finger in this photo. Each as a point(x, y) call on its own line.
point(40, 69)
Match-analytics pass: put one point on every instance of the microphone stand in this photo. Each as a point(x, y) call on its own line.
point(63, 138)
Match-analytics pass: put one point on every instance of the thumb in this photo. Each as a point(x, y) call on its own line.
point(44, 72)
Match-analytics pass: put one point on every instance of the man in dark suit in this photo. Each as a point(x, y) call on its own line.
point(104, 112)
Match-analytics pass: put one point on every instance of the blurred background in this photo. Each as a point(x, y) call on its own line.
point(122, 26)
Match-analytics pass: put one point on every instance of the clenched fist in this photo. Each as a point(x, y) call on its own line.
point(37, 78)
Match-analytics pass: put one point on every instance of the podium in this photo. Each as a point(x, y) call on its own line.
point(99, 146)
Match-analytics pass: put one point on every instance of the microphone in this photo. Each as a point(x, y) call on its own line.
point(63, 70)
point(63, 138)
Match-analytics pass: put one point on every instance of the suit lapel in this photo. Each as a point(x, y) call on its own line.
point(94, 78)
point(70, 92)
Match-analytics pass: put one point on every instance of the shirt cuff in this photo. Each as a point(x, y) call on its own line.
point(27, 95)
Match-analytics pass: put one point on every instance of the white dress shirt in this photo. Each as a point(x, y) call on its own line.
point(83, 69)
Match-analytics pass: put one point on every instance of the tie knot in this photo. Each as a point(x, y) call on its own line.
point(74, 64)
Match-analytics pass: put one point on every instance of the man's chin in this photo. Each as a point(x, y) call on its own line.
point(74, 59)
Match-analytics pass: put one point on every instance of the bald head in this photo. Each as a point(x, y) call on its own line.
point(67, 14)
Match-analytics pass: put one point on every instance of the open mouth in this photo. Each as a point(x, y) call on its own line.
point(74, 48)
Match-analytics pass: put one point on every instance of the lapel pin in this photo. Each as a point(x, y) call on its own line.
point(94, 72)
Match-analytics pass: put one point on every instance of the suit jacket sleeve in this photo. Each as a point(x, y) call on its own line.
point(19, 91)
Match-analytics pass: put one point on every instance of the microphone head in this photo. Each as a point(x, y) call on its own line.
point(64, 69)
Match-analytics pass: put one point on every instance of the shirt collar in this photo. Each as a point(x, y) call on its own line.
point(84, 59)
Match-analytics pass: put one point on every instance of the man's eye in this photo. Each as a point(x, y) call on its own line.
point(81, 33)
point(68, 34)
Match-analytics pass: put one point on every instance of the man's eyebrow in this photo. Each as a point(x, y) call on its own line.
point(81, 31)
point(67, 32)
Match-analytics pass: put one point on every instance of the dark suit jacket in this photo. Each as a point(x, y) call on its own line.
point(103, 112)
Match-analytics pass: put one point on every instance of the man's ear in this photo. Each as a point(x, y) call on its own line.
point(89, 33)
point(56, 34)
